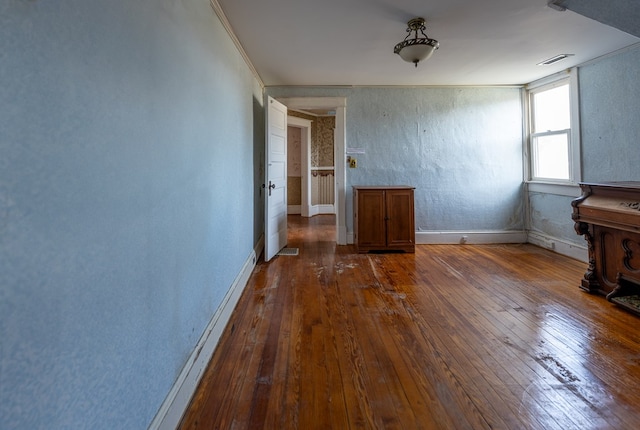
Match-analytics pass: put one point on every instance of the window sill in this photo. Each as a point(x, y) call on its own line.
point(569, 190)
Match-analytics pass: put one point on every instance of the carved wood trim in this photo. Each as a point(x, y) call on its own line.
point(627, 247)
point(631, 205)
point(589, 281)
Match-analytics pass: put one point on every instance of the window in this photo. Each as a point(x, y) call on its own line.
point(553, 144)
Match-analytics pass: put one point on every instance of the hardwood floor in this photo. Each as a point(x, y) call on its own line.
point(451, 337)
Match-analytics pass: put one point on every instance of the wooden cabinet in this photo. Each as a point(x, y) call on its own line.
point(383, 218)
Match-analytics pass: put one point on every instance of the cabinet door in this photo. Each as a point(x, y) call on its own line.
point(400, 228)
point(371, 219)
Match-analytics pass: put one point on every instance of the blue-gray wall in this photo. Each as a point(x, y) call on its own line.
point(609, 111)
point(609, 104)
point(460, 147)
point(130, 145)
point(550, 215)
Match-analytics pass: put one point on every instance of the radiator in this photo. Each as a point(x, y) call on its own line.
point(322, 188)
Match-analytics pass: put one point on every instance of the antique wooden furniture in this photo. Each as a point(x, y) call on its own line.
point(608, 215)
point(383, 218)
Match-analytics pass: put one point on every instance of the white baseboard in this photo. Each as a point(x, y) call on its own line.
point(313, 210)
point(564, 247)
point(457, 237)
point(560, 246)
point(321, 210)
point(349, 236)
point(177, 401)
point(469, 237)
point(326, 209)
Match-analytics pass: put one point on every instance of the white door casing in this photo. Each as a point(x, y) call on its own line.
point(275, 178)
point(305, 161)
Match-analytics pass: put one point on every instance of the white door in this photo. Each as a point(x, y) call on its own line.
point(275, 235)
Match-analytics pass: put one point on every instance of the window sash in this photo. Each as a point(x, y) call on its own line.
point(552, 160)
point(540, 118)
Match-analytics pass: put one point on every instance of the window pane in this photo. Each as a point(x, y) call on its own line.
point(551, 156)
point(551, 109)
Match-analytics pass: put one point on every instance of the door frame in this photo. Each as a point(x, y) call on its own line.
point(339, 104)
point(305, 157)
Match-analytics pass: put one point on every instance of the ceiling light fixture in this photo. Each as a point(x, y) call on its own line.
point(413, 48)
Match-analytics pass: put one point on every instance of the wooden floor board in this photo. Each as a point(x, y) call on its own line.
point(549, 362)
point(451, 337)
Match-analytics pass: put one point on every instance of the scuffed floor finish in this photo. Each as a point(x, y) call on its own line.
point(451, 337)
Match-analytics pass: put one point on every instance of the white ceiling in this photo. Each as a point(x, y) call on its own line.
point(350, 42)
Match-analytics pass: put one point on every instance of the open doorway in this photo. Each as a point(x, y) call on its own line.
point(337, 105)
point(310, 162)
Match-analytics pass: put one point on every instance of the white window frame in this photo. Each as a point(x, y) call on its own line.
point(555, 186)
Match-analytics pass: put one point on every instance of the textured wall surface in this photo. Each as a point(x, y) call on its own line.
point(126, 202)
point(551, 215)
point(610, 130)
point(460, 147)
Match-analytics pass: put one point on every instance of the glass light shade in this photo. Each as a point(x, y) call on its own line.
point(416, 46)
point(416, 53)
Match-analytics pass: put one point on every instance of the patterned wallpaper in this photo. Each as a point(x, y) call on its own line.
point(294, 190)
point(322, 145)
point(294, 140)
point(294, 171)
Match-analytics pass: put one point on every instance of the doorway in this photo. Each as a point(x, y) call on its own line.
point(310, 162)
point(337, 104)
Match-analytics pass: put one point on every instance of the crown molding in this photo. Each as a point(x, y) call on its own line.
point(215, 5)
